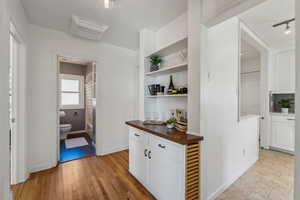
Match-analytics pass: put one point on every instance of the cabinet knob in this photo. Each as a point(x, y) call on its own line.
point(137, 135)
point(162, 146)
point(149, 154)
point(145, 152)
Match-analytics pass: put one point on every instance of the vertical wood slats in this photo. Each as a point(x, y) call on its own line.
point(192, 172)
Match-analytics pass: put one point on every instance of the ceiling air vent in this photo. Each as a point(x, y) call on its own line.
point(87, 29)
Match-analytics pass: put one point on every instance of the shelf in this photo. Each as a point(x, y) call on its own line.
point(170, 48)
point(168, 95)
point(175, 68)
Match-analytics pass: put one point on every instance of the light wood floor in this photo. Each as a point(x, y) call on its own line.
point(92, 178)
point(271, 178)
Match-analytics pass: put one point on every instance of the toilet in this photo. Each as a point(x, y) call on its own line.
point(64, 128)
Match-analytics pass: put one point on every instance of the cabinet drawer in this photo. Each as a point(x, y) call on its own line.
point(136, 134)
point(289, 119)
point(171, 150)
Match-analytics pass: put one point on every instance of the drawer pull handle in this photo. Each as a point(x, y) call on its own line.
point(162, 146)
point(137, 135)
point(145, 152)
point(290, 119)
point(149, 154)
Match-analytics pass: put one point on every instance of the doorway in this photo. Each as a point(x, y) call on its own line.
point(253, 81)
point(77, 109)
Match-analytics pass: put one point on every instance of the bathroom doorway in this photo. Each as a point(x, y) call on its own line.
point(77, 108)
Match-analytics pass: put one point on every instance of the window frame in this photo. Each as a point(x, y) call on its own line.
point(81, 79)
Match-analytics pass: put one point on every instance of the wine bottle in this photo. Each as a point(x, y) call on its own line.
point(171, 85)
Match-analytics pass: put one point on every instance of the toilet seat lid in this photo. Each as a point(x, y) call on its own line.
point(65, 125)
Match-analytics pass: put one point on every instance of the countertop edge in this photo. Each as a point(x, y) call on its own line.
point(197, 139)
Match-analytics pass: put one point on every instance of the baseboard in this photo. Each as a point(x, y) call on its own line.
point(42, 167)
point(225, 186)
point(114, 150)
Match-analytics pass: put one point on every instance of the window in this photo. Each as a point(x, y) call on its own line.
point(72, 91)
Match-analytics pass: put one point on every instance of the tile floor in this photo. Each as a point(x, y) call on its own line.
point(78, 152)
point(271, 178)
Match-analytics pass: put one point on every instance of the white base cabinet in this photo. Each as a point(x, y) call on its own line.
point(158, 164)
point(283, 133)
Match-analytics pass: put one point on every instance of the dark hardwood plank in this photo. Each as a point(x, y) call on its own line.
point(92, 178)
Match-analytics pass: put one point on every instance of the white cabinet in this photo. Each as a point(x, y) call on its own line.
point(283, 133)
point(284, 72)
point(158, 164)
point(137, 155)
point(166, 169)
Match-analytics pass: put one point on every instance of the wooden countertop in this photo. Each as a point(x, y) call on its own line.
point(169, 134)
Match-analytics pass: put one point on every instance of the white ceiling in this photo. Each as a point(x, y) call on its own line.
point(261, 18)
point(124, 20)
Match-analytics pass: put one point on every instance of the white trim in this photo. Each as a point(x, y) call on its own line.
point(114, 150)
point(19, 163)
point(81, 104)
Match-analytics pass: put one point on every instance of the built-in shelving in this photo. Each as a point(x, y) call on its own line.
point(170, 48)
point(175, 68)
point(167, 95)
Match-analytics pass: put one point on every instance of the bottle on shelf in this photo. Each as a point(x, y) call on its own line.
point(171, 89)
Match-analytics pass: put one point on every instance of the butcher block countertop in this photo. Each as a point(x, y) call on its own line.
point(169, 134)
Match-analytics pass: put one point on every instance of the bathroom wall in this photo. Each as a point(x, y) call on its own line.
point(90, 94)
point(76, 117)
point(71, 68)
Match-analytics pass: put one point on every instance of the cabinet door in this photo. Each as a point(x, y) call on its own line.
point(166, 170)
point(138, 155)
point(284, 79)
point(283, 135)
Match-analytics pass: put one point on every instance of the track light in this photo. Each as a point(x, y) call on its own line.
point(287, 30)
point(109, 3)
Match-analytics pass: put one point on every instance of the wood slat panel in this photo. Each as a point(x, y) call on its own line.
point(192, 180)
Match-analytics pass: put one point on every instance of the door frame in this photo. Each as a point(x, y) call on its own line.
point(18, 164)
point(60, 57)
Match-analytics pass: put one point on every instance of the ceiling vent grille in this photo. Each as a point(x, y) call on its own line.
point(87, 29)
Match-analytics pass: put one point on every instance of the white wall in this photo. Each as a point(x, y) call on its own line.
point(4, 62)
point(173, 31)
point(116, 92)
point(297, 166)
point(230, 147)
point(194, 45)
